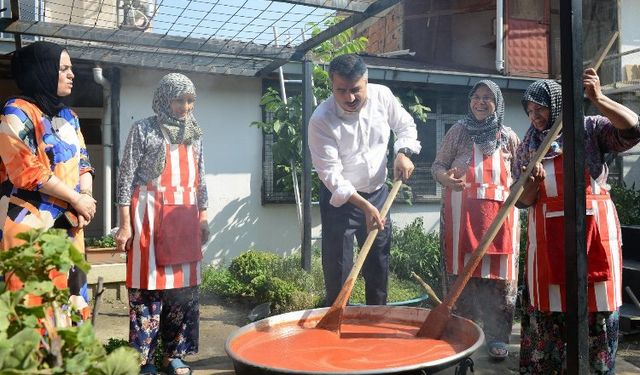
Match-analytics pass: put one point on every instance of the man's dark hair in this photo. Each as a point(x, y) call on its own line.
point(349, 66)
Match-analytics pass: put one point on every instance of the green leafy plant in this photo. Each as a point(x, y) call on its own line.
point(32, 341)
point(413, 249)
point(251, 264)
point(627, 201)
point(101, 242)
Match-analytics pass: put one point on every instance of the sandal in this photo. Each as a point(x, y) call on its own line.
point(176, 364)
point(497, 350)
point(148, 369)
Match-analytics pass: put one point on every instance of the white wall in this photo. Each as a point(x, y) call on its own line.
point(233, 155)
point(629, 30)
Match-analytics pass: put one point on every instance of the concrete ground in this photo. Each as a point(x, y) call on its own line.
point(219, 320)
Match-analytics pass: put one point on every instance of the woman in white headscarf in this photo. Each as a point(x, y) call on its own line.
point(474, 167)
point(162, 197)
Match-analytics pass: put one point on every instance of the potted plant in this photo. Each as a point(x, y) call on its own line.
point(102, 250)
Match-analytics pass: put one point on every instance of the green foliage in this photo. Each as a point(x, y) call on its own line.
point(114, 343)
point(251, 264)
point(221, 282)
point(627, 201)
point(415, 250)
point(58, 350)
point(260, 277)
point(101, 242)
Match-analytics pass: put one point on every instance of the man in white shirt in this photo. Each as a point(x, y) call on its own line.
point(348, 138)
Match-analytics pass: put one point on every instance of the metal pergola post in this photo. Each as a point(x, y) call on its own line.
point(307, 109)
point(574, 186)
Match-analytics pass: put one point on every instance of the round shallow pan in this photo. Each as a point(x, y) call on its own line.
point(373, 340)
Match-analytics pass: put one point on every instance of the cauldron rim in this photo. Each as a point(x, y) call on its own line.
point(355, 310)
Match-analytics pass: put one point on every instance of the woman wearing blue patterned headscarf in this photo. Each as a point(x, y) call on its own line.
point(542, 348)
point(474, 167)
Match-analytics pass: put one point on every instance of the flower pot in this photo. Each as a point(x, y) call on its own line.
point(104, 255)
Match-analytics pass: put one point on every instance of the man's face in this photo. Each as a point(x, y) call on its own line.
point(350, 94)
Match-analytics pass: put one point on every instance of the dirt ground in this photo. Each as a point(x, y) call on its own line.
point(219, 319)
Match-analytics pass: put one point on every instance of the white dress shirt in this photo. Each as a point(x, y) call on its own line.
point(349, 149)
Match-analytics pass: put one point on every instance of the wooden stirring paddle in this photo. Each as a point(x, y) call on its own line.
point(333, 318)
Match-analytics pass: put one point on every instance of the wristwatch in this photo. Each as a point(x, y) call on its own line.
point(407, 152)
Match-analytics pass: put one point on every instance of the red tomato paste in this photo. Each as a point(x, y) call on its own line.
point(359, 346)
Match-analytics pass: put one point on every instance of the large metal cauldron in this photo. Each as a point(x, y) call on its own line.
point(465, 334)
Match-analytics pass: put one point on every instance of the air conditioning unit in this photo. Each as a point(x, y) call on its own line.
point(137, 14)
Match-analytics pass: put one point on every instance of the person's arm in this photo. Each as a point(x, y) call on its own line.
point(620, 116)
point(26, 171)
point(326, 161)
point(123, 235)
point(406, 135)
point(204, 226)
point(372, 215)
point(203, 198)
point(441, 167)
point(131, 154)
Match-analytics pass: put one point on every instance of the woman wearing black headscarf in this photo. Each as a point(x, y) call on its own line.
point(542, 348)
point(474, 167)
point(45, 170)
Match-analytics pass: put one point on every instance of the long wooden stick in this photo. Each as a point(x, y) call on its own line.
point(436, 321)
point(427, 288)
point(333, 318)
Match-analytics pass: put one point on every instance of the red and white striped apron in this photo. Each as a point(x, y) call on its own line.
point(469, 213)
point(545, 272)
point(177, 184)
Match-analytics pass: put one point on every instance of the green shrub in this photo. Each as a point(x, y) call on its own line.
point(413, 249)
point(251, 264)
point(627, 201)
point(27, 344)
point(272, 288)
point(221, 282)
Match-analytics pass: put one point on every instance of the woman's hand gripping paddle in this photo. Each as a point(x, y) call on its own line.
point(333, 318)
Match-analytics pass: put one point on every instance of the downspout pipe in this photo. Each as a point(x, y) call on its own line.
point(500, 36)
point(107, 146)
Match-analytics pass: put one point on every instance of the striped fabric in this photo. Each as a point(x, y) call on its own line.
point(176, 185)
point(488, 179)
point(545, 295)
